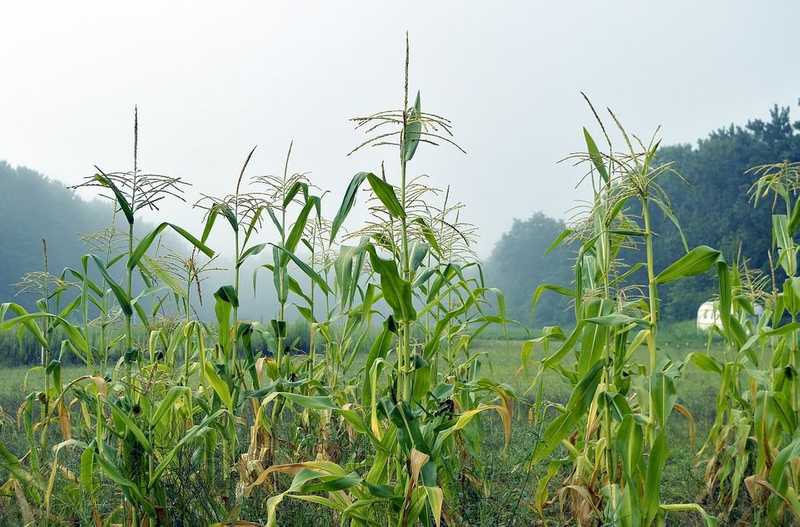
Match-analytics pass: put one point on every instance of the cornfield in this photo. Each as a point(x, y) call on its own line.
point(380, 416)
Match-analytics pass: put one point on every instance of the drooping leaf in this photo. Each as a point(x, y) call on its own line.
point(386, 194)
point(697, 261)
point(148, 240)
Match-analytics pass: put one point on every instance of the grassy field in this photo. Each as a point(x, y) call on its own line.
point(509, 483)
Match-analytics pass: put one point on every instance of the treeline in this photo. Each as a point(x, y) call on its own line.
point(710, 200)
point(520, 262)
point(33, 208)
point(713, 203)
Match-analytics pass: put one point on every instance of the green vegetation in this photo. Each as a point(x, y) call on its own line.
point(710, 198)
point(94, 227)
point(388, 404)
point(507, 484)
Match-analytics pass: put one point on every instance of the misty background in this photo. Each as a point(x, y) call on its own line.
point(213, 80)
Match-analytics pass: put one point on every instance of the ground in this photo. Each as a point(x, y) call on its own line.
point(509, 485)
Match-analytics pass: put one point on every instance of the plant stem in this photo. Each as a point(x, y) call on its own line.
point(404, 357)
point(652, 293)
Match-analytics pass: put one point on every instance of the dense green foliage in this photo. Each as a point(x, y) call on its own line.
point(248, 434)
point(713, 203)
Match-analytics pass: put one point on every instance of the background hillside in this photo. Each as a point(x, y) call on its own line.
point(33, 208)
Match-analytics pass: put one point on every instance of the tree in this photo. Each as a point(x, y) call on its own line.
point(518, 264)
point(712, 201)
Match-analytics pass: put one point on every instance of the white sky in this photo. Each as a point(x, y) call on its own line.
point(213, 79)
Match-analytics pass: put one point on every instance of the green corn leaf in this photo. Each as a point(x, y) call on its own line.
point(192, 434)
point(566, 233)
point(309, 272)
point(148, 240)
point(294, 287)
point(122, 201)
point(10, 463)
point(567, 422)
point(413, 130)
point(253, 225)
point(705, 362)
point(347, 202)
point(386, 194)
point(229, 214)
point(299, 225)
point(24, 318)
point(227, 293)
point(168, 402)
point(130, 425)
point(211, 219)
point(780, 231)
point(616, 319)
point(664, 395)
point(418, 254)
point(219, 386)
point(595, 156)
point(275, 221)
point(255, 249)
point(541, 288)
point(297, 187)
point(553, 360)
point(628, 442)
point(318, 402)
point(140, 312)
point(655, 467)
point(794, 219)
point(697, 261)
point(396, 291)
point(115, 474)
point(428, 234)
point(116, 289)
point(87, 469)
point(669, 214)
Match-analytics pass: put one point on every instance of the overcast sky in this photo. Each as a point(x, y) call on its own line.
point(212, 80)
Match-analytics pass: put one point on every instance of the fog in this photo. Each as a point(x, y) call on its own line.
point(214, 79)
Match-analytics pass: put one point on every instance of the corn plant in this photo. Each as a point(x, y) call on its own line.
point(134, 419)
point(281, 193)
point(411, 414)
point(752, 441)
point(613, 429)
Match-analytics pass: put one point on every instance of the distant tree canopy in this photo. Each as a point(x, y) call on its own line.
point(711, 202)
point(519, 263)
point(713, 205)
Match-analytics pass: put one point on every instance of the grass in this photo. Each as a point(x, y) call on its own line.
point(509, 485)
